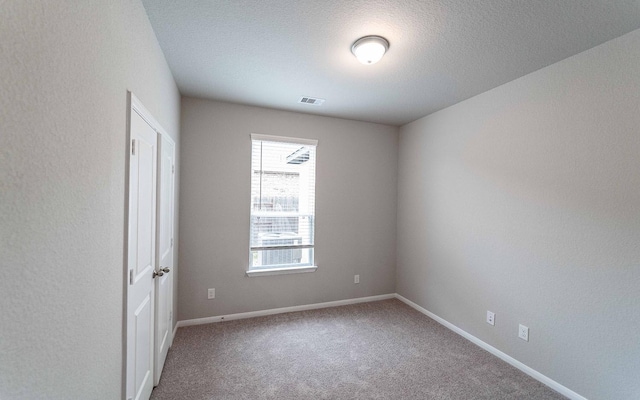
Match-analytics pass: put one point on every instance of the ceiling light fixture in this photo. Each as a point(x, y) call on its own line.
point(370, 49)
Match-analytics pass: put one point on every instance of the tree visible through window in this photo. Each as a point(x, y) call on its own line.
point(282, 202)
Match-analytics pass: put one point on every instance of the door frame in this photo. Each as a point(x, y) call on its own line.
point(134, 105)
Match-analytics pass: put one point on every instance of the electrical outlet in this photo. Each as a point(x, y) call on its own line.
point(523, 332)
point(356, 279)
point(211, 293)
point(491, 318)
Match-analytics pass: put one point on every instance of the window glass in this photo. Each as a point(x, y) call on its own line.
point(282, 203)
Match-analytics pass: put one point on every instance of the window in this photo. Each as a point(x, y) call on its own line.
point(283, 174)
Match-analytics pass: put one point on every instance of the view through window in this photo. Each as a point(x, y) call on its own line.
point(282, 202)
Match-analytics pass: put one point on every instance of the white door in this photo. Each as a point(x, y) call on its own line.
point(164, 283)
point(141, 257)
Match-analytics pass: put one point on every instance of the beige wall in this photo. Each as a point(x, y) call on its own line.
point(66, 69)
point(525, 201)
point(355, 209)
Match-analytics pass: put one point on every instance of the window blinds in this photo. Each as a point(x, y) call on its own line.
point(282, 201)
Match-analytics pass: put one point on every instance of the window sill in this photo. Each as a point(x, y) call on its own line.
point(281, 271)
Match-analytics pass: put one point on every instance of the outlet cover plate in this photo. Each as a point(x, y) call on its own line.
point(356, 279)
point(211, 293)
point(491, 318)
point(523, 332)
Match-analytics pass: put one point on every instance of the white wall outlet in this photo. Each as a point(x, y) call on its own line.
point(356, 279)
point(211, 293)
point(491, 318)
point(523, 332)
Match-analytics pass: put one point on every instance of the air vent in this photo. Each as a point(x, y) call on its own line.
point(311, 100)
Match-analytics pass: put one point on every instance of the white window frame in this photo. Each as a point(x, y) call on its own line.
point(282, 269)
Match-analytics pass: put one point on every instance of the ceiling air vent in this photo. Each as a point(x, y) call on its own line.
point(311, 100)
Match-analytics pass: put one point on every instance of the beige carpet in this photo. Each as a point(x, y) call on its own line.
point(379, 350)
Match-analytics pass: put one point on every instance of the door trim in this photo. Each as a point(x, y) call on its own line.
point(133, 105)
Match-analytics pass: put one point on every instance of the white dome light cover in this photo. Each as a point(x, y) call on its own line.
point(370, 49)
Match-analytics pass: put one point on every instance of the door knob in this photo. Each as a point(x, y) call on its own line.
point(159, 273)
point(165, 269)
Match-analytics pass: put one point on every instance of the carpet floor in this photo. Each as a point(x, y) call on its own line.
point(378, 350)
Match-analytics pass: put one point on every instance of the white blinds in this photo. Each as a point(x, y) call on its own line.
point(282, 201)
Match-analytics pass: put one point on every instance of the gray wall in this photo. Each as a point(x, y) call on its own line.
point(66, 68)
point(525, 201)
point(355, 209)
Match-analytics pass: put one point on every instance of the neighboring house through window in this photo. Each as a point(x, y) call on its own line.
point(283, 173)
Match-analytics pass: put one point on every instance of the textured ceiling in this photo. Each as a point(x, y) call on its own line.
point(270, 53)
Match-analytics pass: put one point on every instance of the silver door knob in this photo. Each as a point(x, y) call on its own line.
point(165, 269)
point(159, 273)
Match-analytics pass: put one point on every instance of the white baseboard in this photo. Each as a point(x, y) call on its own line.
point(261, 313)
point(522, 367)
